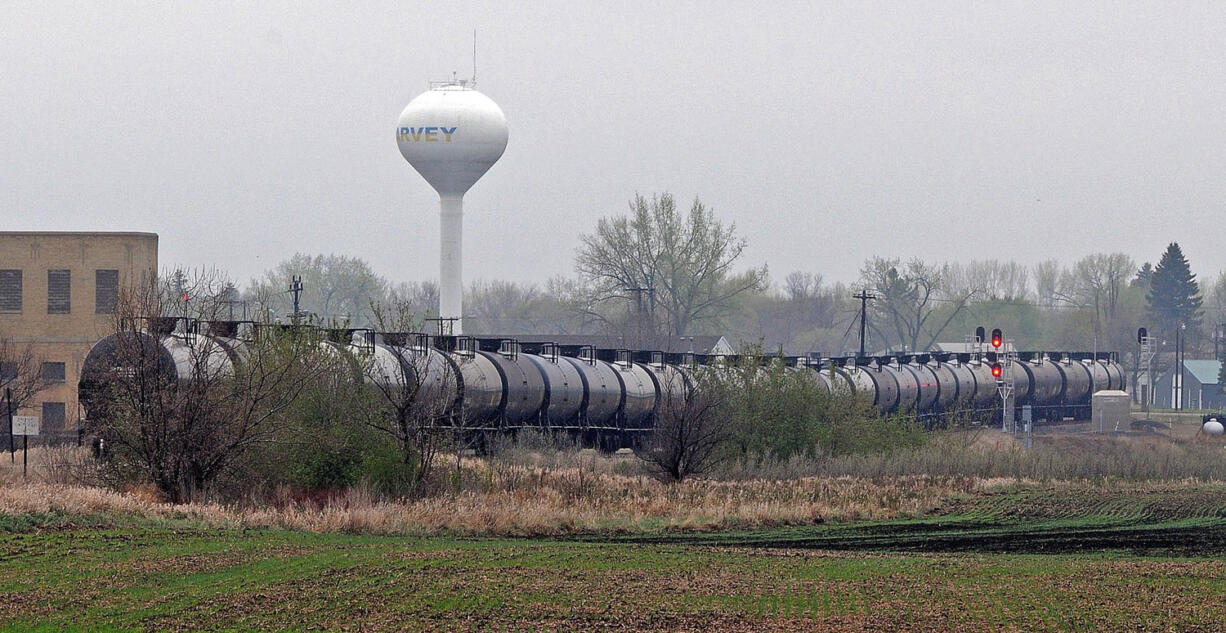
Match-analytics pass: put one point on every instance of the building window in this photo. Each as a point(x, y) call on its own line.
point(53, 418)
point(59, 291)
point(106, 291)
point(8, 371)
point(10, 291)
point(53, 372)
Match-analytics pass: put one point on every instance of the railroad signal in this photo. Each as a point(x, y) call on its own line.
point(1141, 334)
point(979, 334)
point(997, 371)
point(998, 338)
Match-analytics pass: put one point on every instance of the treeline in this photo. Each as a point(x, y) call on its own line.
point(659, 272)
point(1100, 299)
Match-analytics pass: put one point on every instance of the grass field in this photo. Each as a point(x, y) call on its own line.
point(1090, 558)
point(275, 580)
point(617, 551)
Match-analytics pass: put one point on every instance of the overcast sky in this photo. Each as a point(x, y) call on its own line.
point(827, 132)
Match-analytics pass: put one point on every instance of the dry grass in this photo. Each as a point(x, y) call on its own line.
point(553, 492)
point(499, 498)
point(1056, 455)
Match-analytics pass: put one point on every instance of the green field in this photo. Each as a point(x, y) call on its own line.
point(1030, 560)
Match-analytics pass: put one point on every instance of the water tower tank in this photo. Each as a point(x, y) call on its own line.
point(451, 134)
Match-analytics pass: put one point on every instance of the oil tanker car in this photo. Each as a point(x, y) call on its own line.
point(609, 397)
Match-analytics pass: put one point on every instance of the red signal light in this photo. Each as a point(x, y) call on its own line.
point(996, 370)
point(998, 338)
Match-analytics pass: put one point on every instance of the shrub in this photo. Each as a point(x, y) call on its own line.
point(779, 413)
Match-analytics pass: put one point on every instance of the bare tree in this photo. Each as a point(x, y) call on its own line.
point(335, 287)
point(666, 270)
point(20, 372)
point(180, 407)
point(690, 430)
point(1047, 282)
point(992, 279)
point(417, 393)
point(21, 377)
point(810, 300)
point(1215, 302)
point(421, 298)
point(912, 303)
point(1097, 283)
point(499, 306)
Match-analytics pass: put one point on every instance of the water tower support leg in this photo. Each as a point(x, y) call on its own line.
point(451, 286)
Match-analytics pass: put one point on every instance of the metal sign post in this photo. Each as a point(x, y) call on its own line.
point(8, 409)
point(25, 426)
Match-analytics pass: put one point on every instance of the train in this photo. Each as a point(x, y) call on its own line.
point(610, 397)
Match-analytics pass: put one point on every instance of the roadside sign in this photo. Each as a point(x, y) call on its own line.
point(25, 425)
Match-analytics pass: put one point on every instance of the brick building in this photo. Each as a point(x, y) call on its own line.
point(58, 295)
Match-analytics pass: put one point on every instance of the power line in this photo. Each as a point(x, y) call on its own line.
point(1012, 302)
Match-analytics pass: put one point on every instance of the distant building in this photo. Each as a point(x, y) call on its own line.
point(58, 294)
point(1200, 386)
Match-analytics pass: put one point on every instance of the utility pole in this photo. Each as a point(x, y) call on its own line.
point(182, 295)
point(295, 286)
point(1181, 353)
point(864, 298)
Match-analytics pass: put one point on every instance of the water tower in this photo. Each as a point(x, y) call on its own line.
point(452, 134)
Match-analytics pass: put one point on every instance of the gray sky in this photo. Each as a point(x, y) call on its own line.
point(827, 132)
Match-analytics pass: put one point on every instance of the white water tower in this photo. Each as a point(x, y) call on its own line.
point(452, 134)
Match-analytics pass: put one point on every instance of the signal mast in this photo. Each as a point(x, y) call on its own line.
point(1003, 356)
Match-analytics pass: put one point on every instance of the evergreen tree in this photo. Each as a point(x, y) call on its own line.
point(1174, 296)
point(1144, 275)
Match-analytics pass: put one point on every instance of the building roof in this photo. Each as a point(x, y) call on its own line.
point(76, 234)
point(700, 344)
point(960, 347)
point(1205, 371)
